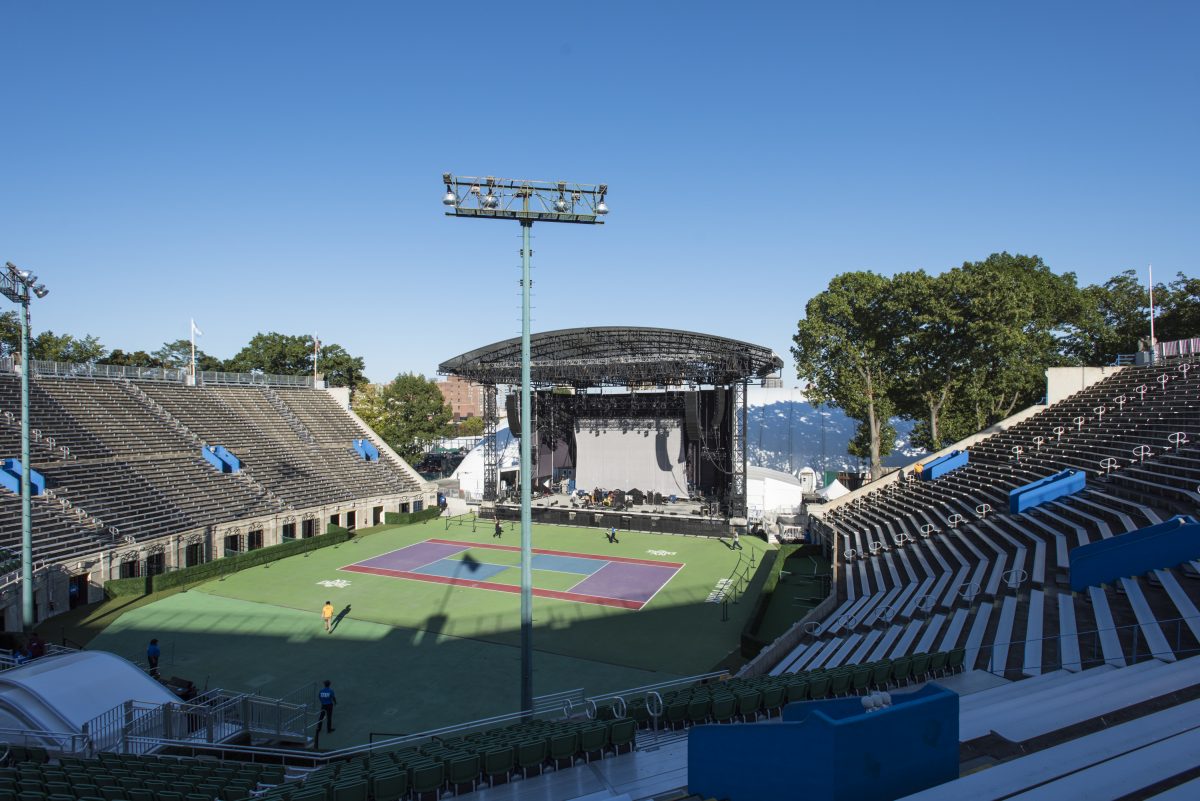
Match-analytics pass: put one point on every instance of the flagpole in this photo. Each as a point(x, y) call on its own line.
point(1150, 269)
point(193, 322)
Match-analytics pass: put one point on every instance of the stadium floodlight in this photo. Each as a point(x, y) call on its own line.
point(16, 286)
point(527, 202)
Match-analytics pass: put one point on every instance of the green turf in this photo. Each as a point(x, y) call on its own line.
point(798, 591)
point(542, 579)
point(410, 655)
point(490, 555)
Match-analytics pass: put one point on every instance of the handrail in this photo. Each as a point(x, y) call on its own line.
point(1137, 656)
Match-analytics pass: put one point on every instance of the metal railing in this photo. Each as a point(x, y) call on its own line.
point(62, 742)
point(255, 379)
point(177, 375)
point(75, 370)
point(1091, 650)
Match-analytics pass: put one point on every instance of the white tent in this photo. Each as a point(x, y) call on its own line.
point(773, 491)
point(470, 471)
point(834, 490)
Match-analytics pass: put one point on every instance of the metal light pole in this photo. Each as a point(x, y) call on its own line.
point(507, 199)
point(16, 285)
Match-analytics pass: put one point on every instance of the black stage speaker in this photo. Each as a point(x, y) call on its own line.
point(691, 415)
point(719, 411)
point(512, 405)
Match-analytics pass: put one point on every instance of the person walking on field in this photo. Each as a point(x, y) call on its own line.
point(737, 543)
point(499, 530)
point(153, 652)
point(328, 699)
point(612, 535)
point(327, 616)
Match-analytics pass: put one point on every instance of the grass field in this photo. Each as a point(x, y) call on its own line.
point(410, 655)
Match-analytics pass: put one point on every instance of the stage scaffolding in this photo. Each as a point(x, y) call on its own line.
point(582, 359)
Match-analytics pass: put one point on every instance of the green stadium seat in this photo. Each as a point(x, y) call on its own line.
point(593, 739)
point(389, 785)
point(797, 689)
point(30, 795)
point(901, 670)
point(839, 682)
point(881, 671)
point(748, 704)
point(954, 662)
point(724, 707)
point(698, 708)
point(675, 712)
point(532, 753)
point(773, 698)
point(562, 748)
point(112, 793)
point(169, 795)
point(353, 790)
point(937, 662)
point(860, 678)
point(622, 734)
point(197, 797)
point(920, 666)
point(428, 778)
point(463, 770)
point(139, 794)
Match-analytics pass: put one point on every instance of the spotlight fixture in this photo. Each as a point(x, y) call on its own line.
point(450, 199)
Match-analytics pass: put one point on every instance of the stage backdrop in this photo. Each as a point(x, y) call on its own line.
point(629, 454)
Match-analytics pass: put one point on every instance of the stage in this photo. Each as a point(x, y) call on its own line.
point(682, 517)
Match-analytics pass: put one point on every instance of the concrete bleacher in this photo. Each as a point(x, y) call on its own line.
point(952, 568)
point(122, 459)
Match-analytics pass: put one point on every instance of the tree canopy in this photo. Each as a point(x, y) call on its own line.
point(961, 350)
point(409, 413)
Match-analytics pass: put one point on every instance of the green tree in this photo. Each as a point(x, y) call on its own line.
point(340, 368)
point(48, 346)
point(178, 354)
point(139, 358)
point(843, 347)
point(1114, 318)
point(10, 332)
point(1016, 318)
point(470, 427)
point(275, 354)
point(1180, 316)
point(409, 413)
point(932, 358)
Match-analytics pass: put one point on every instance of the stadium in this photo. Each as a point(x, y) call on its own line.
point(731, 518)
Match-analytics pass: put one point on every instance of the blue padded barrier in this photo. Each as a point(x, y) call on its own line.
point(831, 751)
point(221, 459)
point(1160, 546)
point(366, 450)
point(1068, 482)
point(235, 464)
point(944, 464)
point(10, 478)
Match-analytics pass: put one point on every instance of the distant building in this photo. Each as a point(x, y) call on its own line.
point(465, 397)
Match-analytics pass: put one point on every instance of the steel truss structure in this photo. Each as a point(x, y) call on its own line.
point(627, 357)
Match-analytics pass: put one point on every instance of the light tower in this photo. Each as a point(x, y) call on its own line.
point(16, 285)
point(526, 202)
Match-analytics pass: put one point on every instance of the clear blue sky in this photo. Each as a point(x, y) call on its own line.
point(275, 166)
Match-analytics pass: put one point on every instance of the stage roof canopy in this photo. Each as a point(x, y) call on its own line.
point(617, 356)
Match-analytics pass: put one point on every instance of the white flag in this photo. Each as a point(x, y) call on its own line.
point(196, 331)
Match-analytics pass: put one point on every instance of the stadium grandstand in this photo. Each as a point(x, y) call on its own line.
point(132, 486)
point(1026, 601)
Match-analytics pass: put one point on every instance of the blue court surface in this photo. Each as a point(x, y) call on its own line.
point(567, 564)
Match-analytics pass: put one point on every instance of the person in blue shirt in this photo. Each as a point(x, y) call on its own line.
point(328, 699)
point(153, 652)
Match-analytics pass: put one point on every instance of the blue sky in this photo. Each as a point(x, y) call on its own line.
point(275, 166)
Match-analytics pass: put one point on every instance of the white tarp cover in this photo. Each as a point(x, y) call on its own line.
point(61, 693)
point(630, 454)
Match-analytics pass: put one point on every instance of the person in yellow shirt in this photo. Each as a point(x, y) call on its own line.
point(327, 616)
